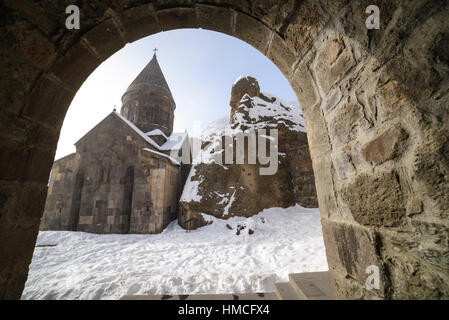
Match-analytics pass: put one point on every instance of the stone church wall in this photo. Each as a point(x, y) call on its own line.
point(61, 187)
point(124, 189)
point(156, 193)
point(149, 111)
point(303, 179)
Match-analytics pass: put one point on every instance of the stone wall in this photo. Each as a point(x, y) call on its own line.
point(59, 205)
point(383, 203)
point(156, 194)
point(124, 189)
point(303, 179)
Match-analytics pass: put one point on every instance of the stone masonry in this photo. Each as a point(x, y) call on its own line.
point(383, 201)
point(121, 180)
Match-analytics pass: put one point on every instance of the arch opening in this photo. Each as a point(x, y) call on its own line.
point(376, 133)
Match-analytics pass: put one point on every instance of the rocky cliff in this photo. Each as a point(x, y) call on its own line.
point(250, 162)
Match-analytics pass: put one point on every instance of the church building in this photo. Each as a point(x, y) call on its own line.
point(123, 177)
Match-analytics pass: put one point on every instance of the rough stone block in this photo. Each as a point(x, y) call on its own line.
point(86, 220)
point(252, 31)
point(332, 63)
point(215, 18)
point(350, 250)
point(385, 146)
point(303, 29)
point(304, 86)
point(21, 206)
point(322, 168)
point(345, 122)
point(30, 43)
point(21, 163)
point(139, 22)
point(392, 98)
point(375, 200)
point(76, 65)
point(431, 167)
point(105, 39)
point(49, 102)
point(177, 18)
point(281, 55)
point(317, 133)
point(273, 12)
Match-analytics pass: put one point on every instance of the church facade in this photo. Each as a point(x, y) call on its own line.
point(122, 179)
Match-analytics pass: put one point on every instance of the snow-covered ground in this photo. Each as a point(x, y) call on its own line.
point(212, 259)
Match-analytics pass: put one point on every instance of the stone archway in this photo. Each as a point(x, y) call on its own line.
point(375, 104)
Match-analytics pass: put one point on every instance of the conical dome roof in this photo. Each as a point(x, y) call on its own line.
point(150, 78)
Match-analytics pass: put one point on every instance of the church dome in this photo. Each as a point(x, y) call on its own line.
point(150, 79)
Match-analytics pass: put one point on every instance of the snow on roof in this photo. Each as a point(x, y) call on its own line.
point(156, 132)
point(137, 130)
point(163, 155)
point(175, 141)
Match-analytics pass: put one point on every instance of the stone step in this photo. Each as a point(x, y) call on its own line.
point(301, 286)
point(239, 296)
point(312, 285)
point(284, 291)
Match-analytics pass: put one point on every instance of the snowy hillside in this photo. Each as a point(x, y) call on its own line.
point(212, 259)
point(268, 111)
point(253, 113)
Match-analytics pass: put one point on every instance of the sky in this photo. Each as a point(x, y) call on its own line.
point(200, 67)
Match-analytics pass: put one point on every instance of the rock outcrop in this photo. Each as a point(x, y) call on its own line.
point(226, 182)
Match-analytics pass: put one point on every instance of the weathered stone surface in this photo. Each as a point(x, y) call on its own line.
point(252, 31)
point(304, 26)
point(116, 182)
point(24, 163)
point(51, 94)
point(432, 168)
point(177, 18)
point(350, 250)
point(386, 146)
point(395, 72)
point(108, 30)
point(76, 65)
point(215, 18)
point(239, 189)
point(282, 55)
point(20, 207)
point(346, 122)
point(304, 85)
point(244, 85)
point(139, 22)
point(375, 200)
point(333, 63)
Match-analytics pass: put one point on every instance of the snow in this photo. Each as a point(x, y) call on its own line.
point(190, 191)
point(211, 259)
point(228, 206)
point(156, 132)
point(240, 78)
point(278, 110)
point(137, 130)
point(175, 141)
point(163, 155)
